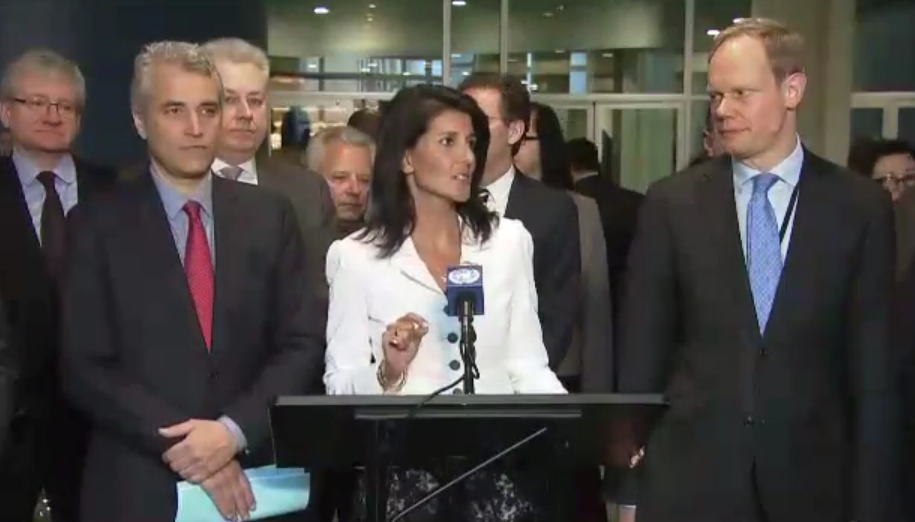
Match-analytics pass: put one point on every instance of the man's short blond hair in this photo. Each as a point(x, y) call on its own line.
point(236, 50)
point(189, 57)
point(42, 61)
point(784, 47)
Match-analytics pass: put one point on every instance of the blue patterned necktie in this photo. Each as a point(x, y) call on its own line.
point(764, 252)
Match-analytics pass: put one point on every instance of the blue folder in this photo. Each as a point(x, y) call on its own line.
point(277, 491)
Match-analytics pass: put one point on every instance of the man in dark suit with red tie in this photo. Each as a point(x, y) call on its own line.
point(186, 310)
point(41, 105)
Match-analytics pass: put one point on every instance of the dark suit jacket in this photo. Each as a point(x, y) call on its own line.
point(134, 360)
point(8, 371)
point(807, 409)
point(551, 218)
point(619, 211)
point(314, 210)
point(903, 337)
point(27, 289)
point(905, 232)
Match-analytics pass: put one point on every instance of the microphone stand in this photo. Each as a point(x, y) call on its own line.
point(468, 350)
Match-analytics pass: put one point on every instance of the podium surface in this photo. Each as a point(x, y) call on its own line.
point(346, 431)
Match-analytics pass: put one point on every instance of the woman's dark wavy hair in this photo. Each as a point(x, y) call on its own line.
point(391, 215)
point(555, 169)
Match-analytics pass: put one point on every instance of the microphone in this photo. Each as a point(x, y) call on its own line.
point(464, 292)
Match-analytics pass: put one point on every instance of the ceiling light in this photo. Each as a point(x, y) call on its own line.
point(371, 6)
point(608, 55)
point(312, 66)
point(366, 69)
point(713, 32)
point(459, 3)
point(373, 64)
point(548, 14)
point(466, 73)
point(321, 10)
point(559, 51)
point(406, 73)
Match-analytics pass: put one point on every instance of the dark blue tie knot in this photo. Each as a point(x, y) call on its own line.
point(763, 182)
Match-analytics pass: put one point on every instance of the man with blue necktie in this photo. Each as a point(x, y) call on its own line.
point(758, 299)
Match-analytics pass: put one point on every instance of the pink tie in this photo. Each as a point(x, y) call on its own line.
point(198, 266)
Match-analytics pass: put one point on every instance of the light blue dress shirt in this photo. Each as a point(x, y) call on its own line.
point(789, 174)
point(173, 202)
point(33, 190)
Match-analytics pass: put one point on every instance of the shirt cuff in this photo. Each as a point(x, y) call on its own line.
point(240, 440)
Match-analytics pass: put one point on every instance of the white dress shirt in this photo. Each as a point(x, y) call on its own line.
point(789, 174)
point(248, 170)
point(499, 190)
point(367, 293)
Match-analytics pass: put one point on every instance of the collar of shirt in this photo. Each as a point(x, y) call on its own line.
point(500, 188)
point(248, 170)
point(28, 171)
point(788, 171)
point(174, 201)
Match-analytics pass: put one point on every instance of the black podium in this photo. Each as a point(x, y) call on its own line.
point(374, 432)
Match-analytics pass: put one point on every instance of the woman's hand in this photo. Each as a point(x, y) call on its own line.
point(400, 342)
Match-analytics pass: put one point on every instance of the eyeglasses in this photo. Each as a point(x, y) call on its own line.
point(42, 104)
point(906, 178)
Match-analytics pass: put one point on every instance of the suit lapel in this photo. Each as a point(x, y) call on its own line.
point(514, 207)
point(16, 221)
point(230, 258)
point(407, 260)
point(724, 232)
point(158, 253)
point(812, 208)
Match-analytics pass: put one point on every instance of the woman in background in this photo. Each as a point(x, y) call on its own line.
point(588, 367)
point(589, 364)
point(387, 331)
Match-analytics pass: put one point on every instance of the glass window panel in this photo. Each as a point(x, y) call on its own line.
point(625, 46)
point(866, 123)
point(474, 38)
point(574, 122)
point(884, 46)
point(907, 125)
point(638, 146)
point(357, 46)
point(712, 16)
point(698, 121)
point(317, 114)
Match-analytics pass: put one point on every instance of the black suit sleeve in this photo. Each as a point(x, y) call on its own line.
point(557, 268)
point(648, 329)
point(8, 373)
point(872, 385)
point(114, 400)
point(295, 340)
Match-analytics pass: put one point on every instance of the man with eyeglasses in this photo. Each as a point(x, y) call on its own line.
point(42, 95)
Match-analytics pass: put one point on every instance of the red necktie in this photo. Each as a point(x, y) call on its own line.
point(198, 266)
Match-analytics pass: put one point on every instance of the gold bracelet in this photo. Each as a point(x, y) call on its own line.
point(383, 382)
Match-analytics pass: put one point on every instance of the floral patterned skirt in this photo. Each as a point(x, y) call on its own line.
point(496, 494)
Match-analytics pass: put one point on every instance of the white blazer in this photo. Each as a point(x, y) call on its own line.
point(367, 293)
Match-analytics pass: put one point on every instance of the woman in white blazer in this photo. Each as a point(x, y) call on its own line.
point(387, 331)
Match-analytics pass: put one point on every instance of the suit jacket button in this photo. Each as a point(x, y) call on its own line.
point(213, 375)
point(453, 338)
point(455, 365)
point(749, 421)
